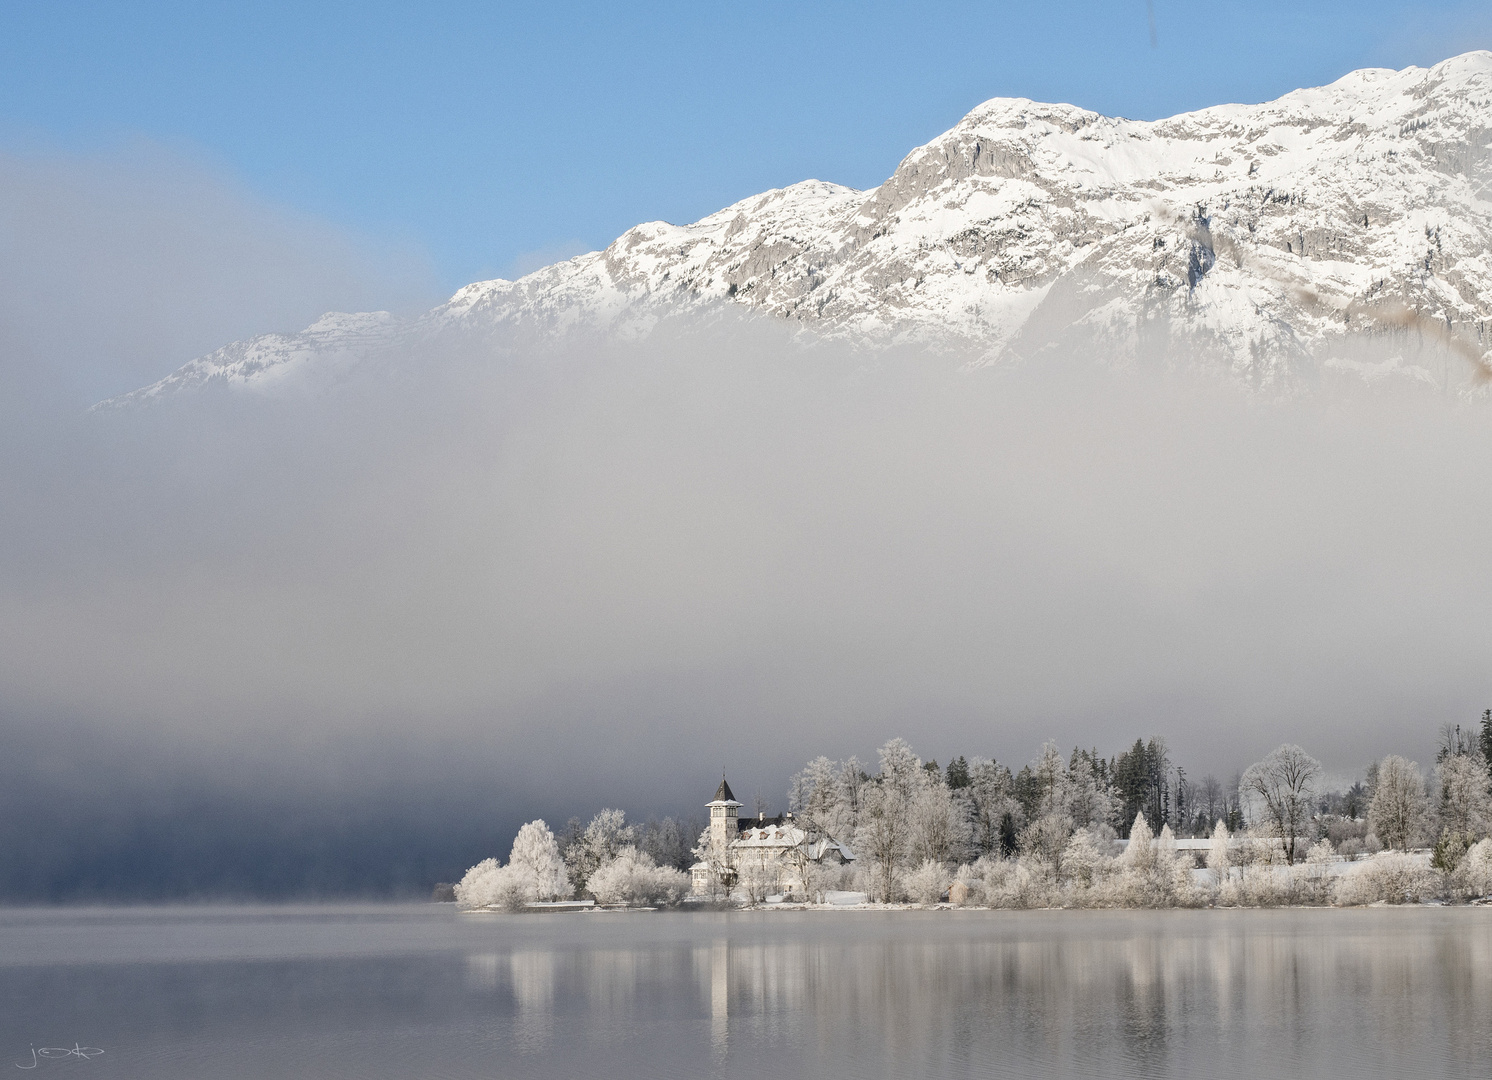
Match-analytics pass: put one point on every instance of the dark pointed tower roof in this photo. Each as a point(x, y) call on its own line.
point(723, 792)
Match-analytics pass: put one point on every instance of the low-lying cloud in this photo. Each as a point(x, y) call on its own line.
point(474, 583)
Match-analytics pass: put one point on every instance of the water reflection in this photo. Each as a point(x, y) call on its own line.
point(1048, 994)
point(833, 994)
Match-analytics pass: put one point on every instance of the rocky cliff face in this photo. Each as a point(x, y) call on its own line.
point(1341, 229)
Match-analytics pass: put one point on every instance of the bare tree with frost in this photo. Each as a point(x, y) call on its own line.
point(603, 838)
point(935, 822)
point(881, 836)
point(1465, 808)
point(1283, 787)
point(901, 768)
point(1397, 812)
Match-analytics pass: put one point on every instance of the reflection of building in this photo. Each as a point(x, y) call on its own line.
point(769, 855)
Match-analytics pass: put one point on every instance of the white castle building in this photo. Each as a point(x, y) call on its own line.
point(764, 855)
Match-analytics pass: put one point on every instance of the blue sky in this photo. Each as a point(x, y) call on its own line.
point(498, 137)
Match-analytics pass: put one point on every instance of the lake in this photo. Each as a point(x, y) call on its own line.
point(421, 991)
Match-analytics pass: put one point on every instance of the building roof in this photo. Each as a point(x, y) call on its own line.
point(723, 793)
point(760, 820)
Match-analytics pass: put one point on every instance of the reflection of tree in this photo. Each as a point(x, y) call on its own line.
point(1075, 994)
point(533, 989)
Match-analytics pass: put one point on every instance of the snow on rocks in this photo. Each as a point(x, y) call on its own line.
point(1269, 241)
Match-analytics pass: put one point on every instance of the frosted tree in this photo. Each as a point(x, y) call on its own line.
point(720, 874)
point(665, 842)
point(1218, 860)
point(479, 887)
point(1475, 872)
point(813, 794)
point(936, 824)
point(1465, 808)
point(1089, 801)
point(991, 792)
point(1283, 789)
point(901, 769)
point(606, 835)
point(844, 814)
point(1082, 860)
point(1045, 838)
point(881, 836)
point(536, 861)
point(1139, 854)
point(535, 871)
point(1050, 772)
point(1397, 812)
point(631, 877)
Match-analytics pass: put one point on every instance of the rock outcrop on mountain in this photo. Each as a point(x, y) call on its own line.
point(1343, 229)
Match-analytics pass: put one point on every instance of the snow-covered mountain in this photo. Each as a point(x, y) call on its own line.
point(1271, 240)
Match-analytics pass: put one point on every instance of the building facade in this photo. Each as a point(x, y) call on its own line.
point(752, 859)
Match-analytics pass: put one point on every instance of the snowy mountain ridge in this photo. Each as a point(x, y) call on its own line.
point(1270, 240)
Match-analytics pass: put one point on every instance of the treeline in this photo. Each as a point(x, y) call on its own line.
point(667, 841)
point(1067, 830)
point(912, 819)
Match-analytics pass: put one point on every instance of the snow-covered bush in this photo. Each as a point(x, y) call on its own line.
point(1148, 874)
point(490, 884)
point(820, 878)
point(972, 892)
point(1313, 883)
point(633, 878)
point(535, 871)
point(1391, 876)
point(1085, 859)
point(1474, 876)
point(1017, 883)
point(479, 887)
point(928, 882)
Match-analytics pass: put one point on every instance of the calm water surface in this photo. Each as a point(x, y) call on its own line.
point(419, 991)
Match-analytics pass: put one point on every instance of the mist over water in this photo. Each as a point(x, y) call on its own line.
point(397, 991)
point(347, 636)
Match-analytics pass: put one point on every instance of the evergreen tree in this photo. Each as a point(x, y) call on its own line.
point(957, 775)
point(1028, 792)
point(1140, 781)
point(1486, 739)
point(1009, 838)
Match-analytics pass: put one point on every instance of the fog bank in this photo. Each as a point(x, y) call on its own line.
point(347, 638)
point(513, 582)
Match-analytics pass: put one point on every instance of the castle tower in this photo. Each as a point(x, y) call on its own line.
point(723, 821)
